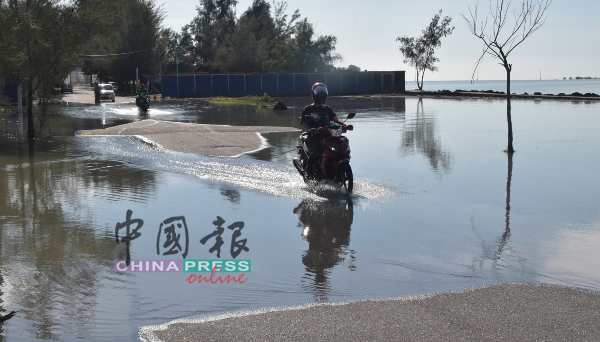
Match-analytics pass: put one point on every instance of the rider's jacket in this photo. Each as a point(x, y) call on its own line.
point(317, 116)
point(142, 92)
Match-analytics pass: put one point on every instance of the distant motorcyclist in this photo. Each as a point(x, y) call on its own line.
point(314, 116)
point(142, 92)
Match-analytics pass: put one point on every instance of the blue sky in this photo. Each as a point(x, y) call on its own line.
point(366, 34)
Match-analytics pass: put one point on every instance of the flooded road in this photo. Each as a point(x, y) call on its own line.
point(437, 206)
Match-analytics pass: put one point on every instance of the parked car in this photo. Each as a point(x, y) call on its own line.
point(106, 92)
point(66, 88)
point(115, 86)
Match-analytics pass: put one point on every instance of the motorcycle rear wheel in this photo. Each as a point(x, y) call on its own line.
point(345, 177)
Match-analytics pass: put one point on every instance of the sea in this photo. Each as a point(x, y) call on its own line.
point(516, 86)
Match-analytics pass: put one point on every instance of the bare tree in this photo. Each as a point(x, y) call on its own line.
point(517, 23)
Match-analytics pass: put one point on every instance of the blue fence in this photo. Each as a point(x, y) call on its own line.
point(10, 90)
point(346, 83)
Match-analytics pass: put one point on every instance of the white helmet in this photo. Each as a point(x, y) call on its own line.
point(319, 92)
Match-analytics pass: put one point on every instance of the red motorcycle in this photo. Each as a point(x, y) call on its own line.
point(335, 164)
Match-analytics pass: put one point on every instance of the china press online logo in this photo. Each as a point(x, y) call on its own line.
point(233, 267)
point(173, 239)
point(199, 266)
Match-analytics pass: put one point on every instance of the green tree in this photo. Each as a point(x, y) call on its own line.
point(419, 52)
point(301, 52)
point(250, 44)
point(4, 19)
point(140, 32)
point(43, 39)
point(520, 23)
point(105, 43)
point(130, 43)
point(166, 48)
point(284, 29)
point(208, 30)
point(257, 42)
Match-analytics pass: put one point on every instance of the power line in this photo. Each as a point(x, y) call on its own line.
point(115, 55)
point(105, 59)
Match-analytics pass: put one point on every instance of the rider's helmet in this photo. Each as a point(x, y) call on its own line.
point(319, 92)
point(143, 86)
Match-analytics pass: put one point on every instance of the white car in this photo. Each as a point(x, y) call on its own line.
point(106, 92)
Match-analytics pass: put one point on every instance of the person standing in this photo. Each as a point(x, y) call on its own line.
point(96, 93)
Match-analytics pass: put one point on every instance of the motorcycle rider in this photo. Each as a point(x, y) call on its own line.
point(142, 92)
point(314, 116)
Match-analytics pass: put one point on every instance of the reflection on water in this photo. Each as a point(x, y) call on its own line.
point(53, 258)
point(497, 254)
point(420, 136)
point(232, 195)
point(326, 226)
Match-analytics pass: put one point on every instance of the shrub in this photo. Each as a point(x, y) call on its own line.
point(263, 101)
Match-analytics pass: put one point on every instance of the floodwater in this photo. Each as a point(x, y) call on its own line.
point(437, 207)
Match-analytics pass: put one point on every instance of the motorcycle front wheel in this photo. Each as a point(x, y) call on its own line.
point(345, 177)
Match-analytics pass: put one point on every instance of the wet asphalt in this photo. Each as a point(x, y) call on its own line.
point(209, 140)
point(85, 94)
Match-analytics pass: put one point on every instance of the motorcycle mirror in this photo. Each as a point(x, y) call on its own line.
point(350, 116)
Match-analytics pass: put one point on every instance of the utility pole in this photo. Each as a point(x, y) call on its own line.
point(20, 111)
point(159, 66)
point(176, 65)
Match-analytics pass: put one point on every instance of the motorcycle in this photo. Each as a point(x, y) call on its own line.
point(144, 103)
point(335, 164)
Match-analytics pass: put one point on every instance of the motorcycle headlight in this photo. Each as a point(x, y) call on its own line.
point(335, 130)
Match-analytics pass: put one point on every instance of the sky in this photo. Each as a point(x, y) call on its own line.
point(366, 31)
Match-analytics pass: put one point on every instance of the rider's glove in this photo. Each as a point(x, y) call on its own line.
point(349, 127)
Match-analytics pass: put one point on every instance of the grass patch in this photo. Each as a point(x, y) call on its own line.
point(259, 101)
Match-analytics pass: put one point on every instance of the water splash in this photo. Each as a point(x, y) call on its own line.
point(271, 178)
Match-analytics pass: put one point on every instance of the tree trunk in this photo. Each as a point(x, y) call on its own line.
point(420, 84)
point(30, 126)
point(509, 149)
